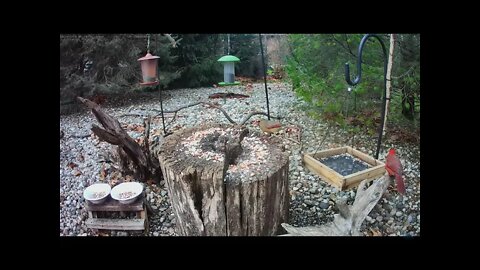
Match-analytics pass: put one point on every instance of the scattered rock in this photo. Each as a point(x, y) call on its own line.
point(121, 233)
point(309, 202)
point(324, 205)
point(313, 194)
point(411, 218)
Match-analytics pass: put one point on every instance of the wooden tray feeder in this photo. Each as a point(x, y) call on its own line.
point(342, 182)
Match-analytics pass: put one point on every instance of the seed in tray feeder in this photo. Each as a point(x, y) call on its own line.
point(345, 164)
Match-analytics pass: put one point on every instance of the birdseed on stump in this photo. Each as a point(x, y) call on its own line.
point(224, 180)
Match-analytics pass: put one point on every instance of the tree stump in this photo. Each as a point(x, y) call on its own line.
point(225, 181)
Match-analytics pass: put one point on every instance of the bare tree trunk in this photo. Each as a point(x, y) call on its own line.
point(389, 79)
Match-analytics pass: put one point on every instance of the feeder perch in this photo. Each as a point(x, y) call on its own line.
point(342, 182)
point(149, 65)
point(228, 70)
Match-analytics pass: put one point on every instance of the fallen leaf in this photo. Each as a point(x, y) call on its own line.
point(375, 232)
point(113, 182)
point(140, 140)
point(115, 175)
point(350, 120)
point(139, 129)
point(103, 172)
point(157, 132)
point(115, 178)
point(394, 137)
point(77, 173)
point(72, 165)
point(151, 182)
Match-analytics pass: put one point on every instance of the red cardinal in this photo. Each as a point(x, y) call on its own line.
point(394, 168)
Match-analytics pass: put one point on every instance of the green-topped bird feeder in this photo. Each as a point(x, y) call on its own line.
point(228, 70)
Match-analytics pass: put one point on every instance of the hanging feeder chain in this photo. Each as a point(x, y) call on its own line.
point(228, 44)
point(148, 43)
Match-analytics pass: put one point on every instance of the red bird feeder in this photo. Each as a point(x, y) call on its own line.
point(149, 65)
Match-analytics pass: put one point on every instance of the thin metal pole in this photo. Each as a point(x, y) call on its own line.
point(161, 109)
point(160, 91)
point(264, 75)
point(355, 101)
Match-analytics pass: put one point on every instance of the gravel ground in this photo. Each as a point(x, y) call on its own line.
point(312, 200)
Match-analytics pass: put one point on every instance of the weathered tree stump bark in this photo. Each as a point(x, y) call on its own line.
point(224, 181)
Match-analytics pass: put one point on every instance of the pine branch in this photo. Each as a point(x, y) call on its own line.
point(404, 74)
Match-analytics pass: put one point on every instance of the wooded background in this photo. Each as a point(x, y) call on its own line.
point(313, 63)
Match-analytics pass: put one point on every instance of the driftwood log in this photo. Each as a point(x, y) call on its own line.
point(350, 218)
point(223, 181)
point(129, 151)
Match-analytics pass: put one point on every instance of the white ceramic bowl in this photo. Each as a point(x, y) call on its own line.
point(118, 192)
point(92, 193)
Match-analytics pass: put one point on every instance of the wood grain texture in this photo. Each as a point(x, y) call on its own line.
point(206, 204)
point(115, 224)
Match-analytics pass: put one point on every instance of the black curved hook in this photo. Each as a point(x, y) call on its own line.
point(359, 61)
point(359, 77)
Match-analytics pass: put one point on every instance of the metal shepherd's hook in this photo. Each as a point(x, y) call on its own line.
point(359, 77)
point(264, 74)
